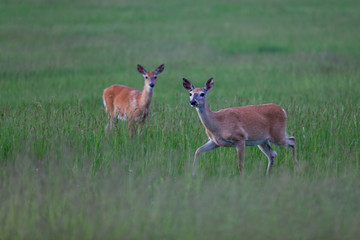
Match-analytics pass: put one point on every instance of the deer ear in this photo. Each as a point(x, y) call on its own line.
point(160, 69)
point(187, 84)
point(141, 69)
point(209, 84)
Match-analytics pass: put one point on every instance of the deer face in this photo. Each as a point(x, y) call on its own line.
point(150, 77)
point(150, 80)
point(198, 95)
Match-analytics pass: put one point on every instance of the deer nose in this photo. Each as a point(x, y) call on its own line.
point(151, 85)
point(193, 102)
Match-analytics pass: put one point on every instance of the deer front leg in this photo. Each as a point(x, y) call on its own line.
point(292, 144)
point(240, 150)
point(131, 127)
point(142, 123)
point(210, 145)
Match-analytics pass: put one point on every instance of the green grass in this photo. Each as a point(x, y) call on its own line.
point(63, 177)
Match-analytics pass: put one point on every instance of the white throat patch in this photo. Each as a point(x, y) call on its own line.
point(149, 89)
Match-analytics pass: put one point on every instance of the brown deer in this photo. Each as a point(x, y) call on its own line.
point(254, 125)
point(128, 103)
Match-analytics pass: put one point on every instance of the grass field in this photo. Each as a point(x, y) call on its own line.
point(63, 177)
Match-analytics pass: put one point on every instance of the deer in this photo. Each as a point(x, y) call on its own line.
point(126, 103)
point(252, 125)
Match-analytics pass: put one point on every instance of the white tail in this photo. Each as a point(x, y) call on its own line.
point(128, 103)
point(255, 125)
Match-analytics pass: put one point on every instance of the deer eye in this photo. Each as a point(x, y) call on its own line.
point(202, 94)
point(146, 77)
point(190, 94)
point(155, 77)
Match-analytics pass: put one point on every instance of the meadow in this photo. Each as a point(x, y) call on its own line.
point(62, 176)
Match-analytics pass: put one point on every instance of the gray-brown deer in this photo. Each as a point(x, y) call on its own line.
point(254, 125)
point(128, 103)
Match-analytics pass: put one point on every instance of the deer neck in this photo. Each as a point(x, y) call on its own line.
point(207, 117)
point(146, 96)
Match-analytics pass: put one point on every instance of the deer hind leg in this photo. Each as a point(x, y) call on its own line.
point(240, 150)
point(109, 109)
point(110, 125)
point(270, 153)
point(210, 145)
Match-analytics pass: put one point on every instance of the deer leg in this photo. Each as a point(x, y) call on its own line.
point(288, 142)
point(131, 127)
point(240, 150)
point(110, 125)
point(292, 144)
point(270, 153)
point(141, 124)
point(210, 145)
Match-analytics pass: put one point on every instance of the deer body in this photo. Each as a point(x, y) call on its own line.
point(130, 104)
point(226, 126)
point(254, 125)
